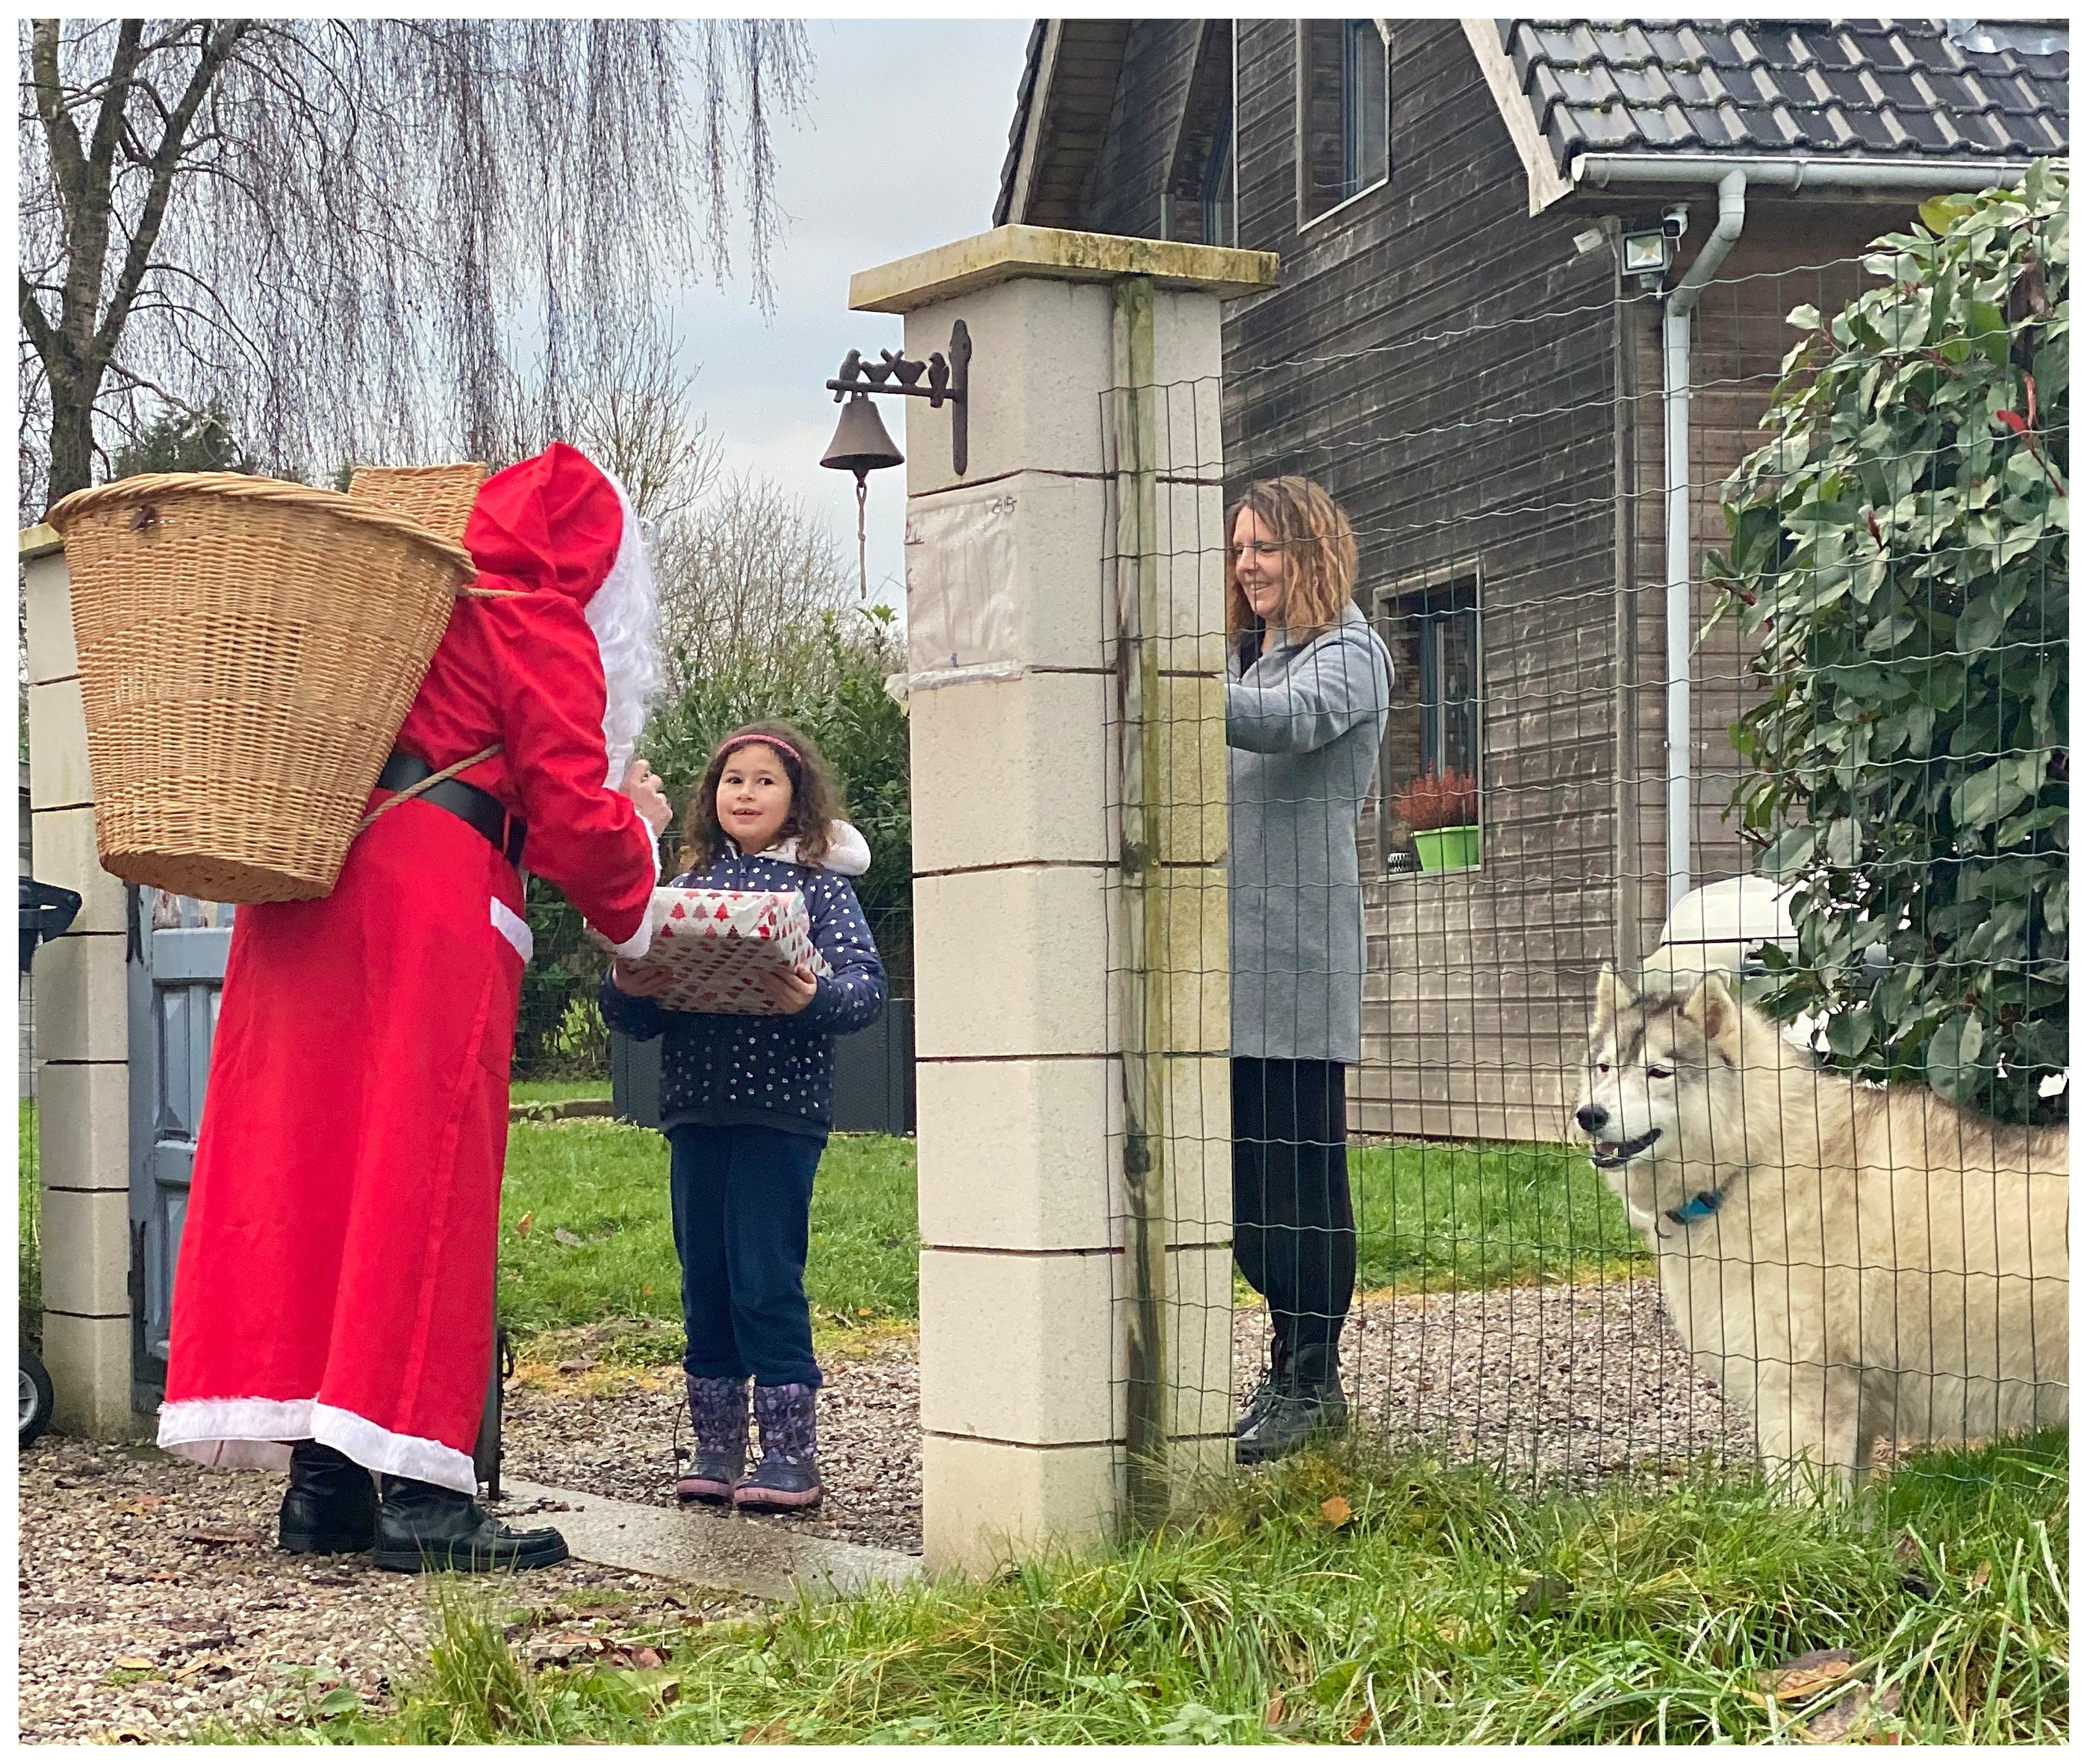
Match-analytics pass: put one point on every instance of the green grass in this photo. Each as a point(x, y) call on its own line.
point(602, 1185)
point(1366, 1599)
point(29, 1203)
point(1436, 1215)
point(560, 1091)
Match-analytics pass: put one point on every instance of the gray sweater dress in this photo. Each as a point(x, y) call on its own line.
point(1303, 726)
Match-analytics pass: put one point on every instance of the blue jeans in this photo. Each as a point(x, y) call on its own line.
point(742, 1224)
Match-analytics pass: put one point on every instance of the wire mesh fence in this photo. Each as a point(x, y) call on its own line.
point(1592, 1100)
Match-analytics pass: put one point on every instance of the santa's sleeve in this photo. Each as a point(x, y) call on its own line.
point(586, 840)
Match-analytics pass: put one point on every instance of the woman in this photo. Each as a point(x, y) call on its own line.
point(1308, 692)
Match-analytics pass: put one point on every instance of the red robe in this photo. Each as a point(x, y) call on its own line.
point(335, 1276)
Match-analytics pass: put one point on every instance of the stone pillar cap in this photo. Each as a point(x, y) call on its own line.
point(35, 542)
point(1053, 253)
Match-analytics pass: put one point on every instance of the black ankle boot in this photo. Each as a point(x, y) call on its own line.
point(330, 1508)
point(1309, 1401)
point(1272, 1378)
point(421, 1528)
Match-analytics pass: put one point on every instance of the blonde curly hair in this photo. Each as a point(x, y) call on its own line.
point(1318, 547)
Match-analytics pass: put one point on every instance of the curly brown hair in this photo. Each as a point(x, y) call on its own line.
point(815, 796)
point(1318, 545)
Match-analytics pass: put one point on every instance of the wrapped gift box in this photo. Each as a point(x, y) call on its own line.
point(713, 945)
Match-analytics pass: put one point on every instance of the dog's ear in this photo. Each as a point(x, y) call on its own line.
point(1712, 1008)
point(1610, 996)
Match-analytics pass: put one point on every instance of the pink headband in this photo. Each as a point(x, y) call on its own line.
point(737, 742)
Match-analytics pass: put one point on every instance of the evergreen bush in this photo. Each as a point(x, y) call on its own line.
point(1899, 547)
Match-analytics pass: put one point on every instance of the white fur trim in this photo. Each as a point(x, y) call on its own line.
point(513, 927)
point(633, 947)
point(847, 852)
point(624, 615)
point(254, 1432)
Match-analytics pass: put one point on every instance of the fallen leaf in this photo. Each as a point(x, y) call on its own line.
point(1808, 1673)
point(134, 1663)
point(1980, 1577)
point(1271, 1717)
point(1542, 1595)
point(1362, 1726)
point(1337, 1510)
point(646, 1658)
point(1848, 1716)
point(767, 1733)
point(522, 1223)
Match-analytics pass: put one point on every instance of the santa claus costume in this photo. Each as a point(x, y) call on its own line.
point(335, 1283)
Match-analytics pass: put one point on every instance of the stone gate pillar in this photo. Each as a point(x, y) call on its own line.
point(82, 1037)
point(1065, 612)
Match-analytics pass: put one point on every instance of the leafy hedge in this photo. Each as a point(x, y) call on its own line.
point(1900, 547)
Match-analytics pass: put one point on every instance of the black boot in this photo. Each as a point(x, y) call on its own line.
point(421, 1527)
point(1276, 1374)
point(1309, 1401)
point(330, 1508)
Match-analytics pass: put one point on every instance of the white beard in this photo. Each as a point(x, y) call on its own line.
point(624, 615)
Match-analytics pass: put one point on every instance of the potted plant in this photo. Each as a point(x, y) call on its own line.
point(1441, 809)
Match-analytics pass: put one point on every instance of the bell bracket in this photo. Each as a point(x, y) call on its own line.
point(948, 377)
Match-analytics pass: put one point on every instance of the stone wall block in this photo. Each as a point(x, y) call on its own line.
point(1018, 1347)
point(83, 1127)
point(1010, 962)
point(1013, 1152)
point(66, 854)
point(59, 774)
point(85, 1251)
point(994, 1503)
point(82, 1003)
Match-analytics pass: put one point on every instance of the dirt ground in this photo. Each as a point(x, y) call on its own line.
point(152, 1597)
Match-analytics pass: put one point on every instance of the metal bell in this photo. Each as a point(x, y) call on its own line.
point(860, 443)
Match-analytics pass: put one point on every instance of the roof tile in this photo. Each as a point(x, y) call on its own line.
point(1859, 88)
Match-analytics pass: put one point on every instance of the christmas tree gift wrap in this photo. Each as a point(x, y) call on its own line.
point(711, 949)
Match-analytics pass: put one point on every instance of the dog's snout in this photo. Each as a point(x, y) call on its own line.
point(1590, 1116)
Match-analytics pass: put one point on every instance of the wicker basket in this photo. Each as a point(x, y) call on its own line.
point(439, 497)
point(248, 650)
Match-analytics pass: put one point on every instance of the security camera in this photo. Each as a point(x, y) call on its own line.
point(1674, 222)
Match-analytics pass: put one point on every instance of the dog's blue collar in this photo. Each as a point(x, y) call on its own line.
point(1700, 1207)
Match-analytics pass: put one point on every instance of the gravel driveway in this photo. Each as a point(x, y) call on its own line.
point(152, 1597)
point(1572, 1381)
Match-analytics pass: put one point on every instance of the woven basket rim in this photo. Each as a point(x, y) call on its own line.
point(232, 486)
point(478, 466)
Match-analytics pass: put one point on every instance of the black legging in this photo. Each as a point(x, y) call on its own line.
point(1293, 1225)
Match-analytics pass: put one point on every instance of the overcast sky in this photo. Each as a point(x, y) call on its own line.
point(899, 150)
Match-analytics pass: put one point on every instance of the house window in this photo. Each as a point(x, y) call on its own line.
point(1197, 206)
point(1343, 111)
point(1437, 725)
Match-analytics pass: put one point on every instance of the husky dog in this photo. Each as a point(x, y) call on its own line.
point(1848, 1261)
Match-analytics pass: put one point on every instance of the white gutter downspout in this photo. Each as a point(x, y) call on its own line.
point(1680, 614)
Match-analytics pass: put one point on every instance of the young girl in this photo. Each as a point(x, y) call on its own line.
point(746, 1103)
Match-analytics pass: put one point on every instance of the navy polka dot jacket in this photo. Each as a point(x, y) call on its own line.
point(775, 1071)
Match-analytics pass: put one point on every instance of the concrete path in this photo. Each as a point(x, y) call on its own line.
point(702, 1545)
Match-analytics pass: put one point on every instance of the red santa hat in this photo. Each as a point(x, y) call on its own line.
point(559, 524)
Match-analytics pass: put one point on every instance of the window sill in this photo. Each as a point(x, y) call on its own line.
point(1319, 219)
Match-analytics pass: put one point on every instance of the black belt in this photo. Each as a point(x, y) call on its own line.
point(481, 810)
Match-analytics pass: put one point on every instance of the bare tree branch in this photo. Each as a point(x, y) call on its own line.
point(388, 225)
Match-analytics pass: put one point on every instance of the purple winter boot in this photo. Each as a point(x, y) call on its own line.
point(787, 1480)
point(717, 1412)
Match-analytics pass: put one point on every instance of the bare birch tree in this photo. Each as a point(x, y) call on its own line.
point(346, 232)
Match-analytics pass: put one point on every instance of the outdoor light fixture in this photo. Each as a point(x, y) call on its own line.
point(1646, 253)
point(861, 443)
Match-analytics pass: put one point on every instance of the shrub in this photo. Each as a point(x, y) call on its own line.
point(1900, 547)
point(1437, 799)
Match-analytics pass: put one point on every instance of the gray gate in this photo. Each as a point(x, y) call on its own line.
point(177, 949)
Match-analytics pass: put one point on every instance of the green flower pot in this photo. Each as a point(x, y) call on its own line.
point(1448, 848)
